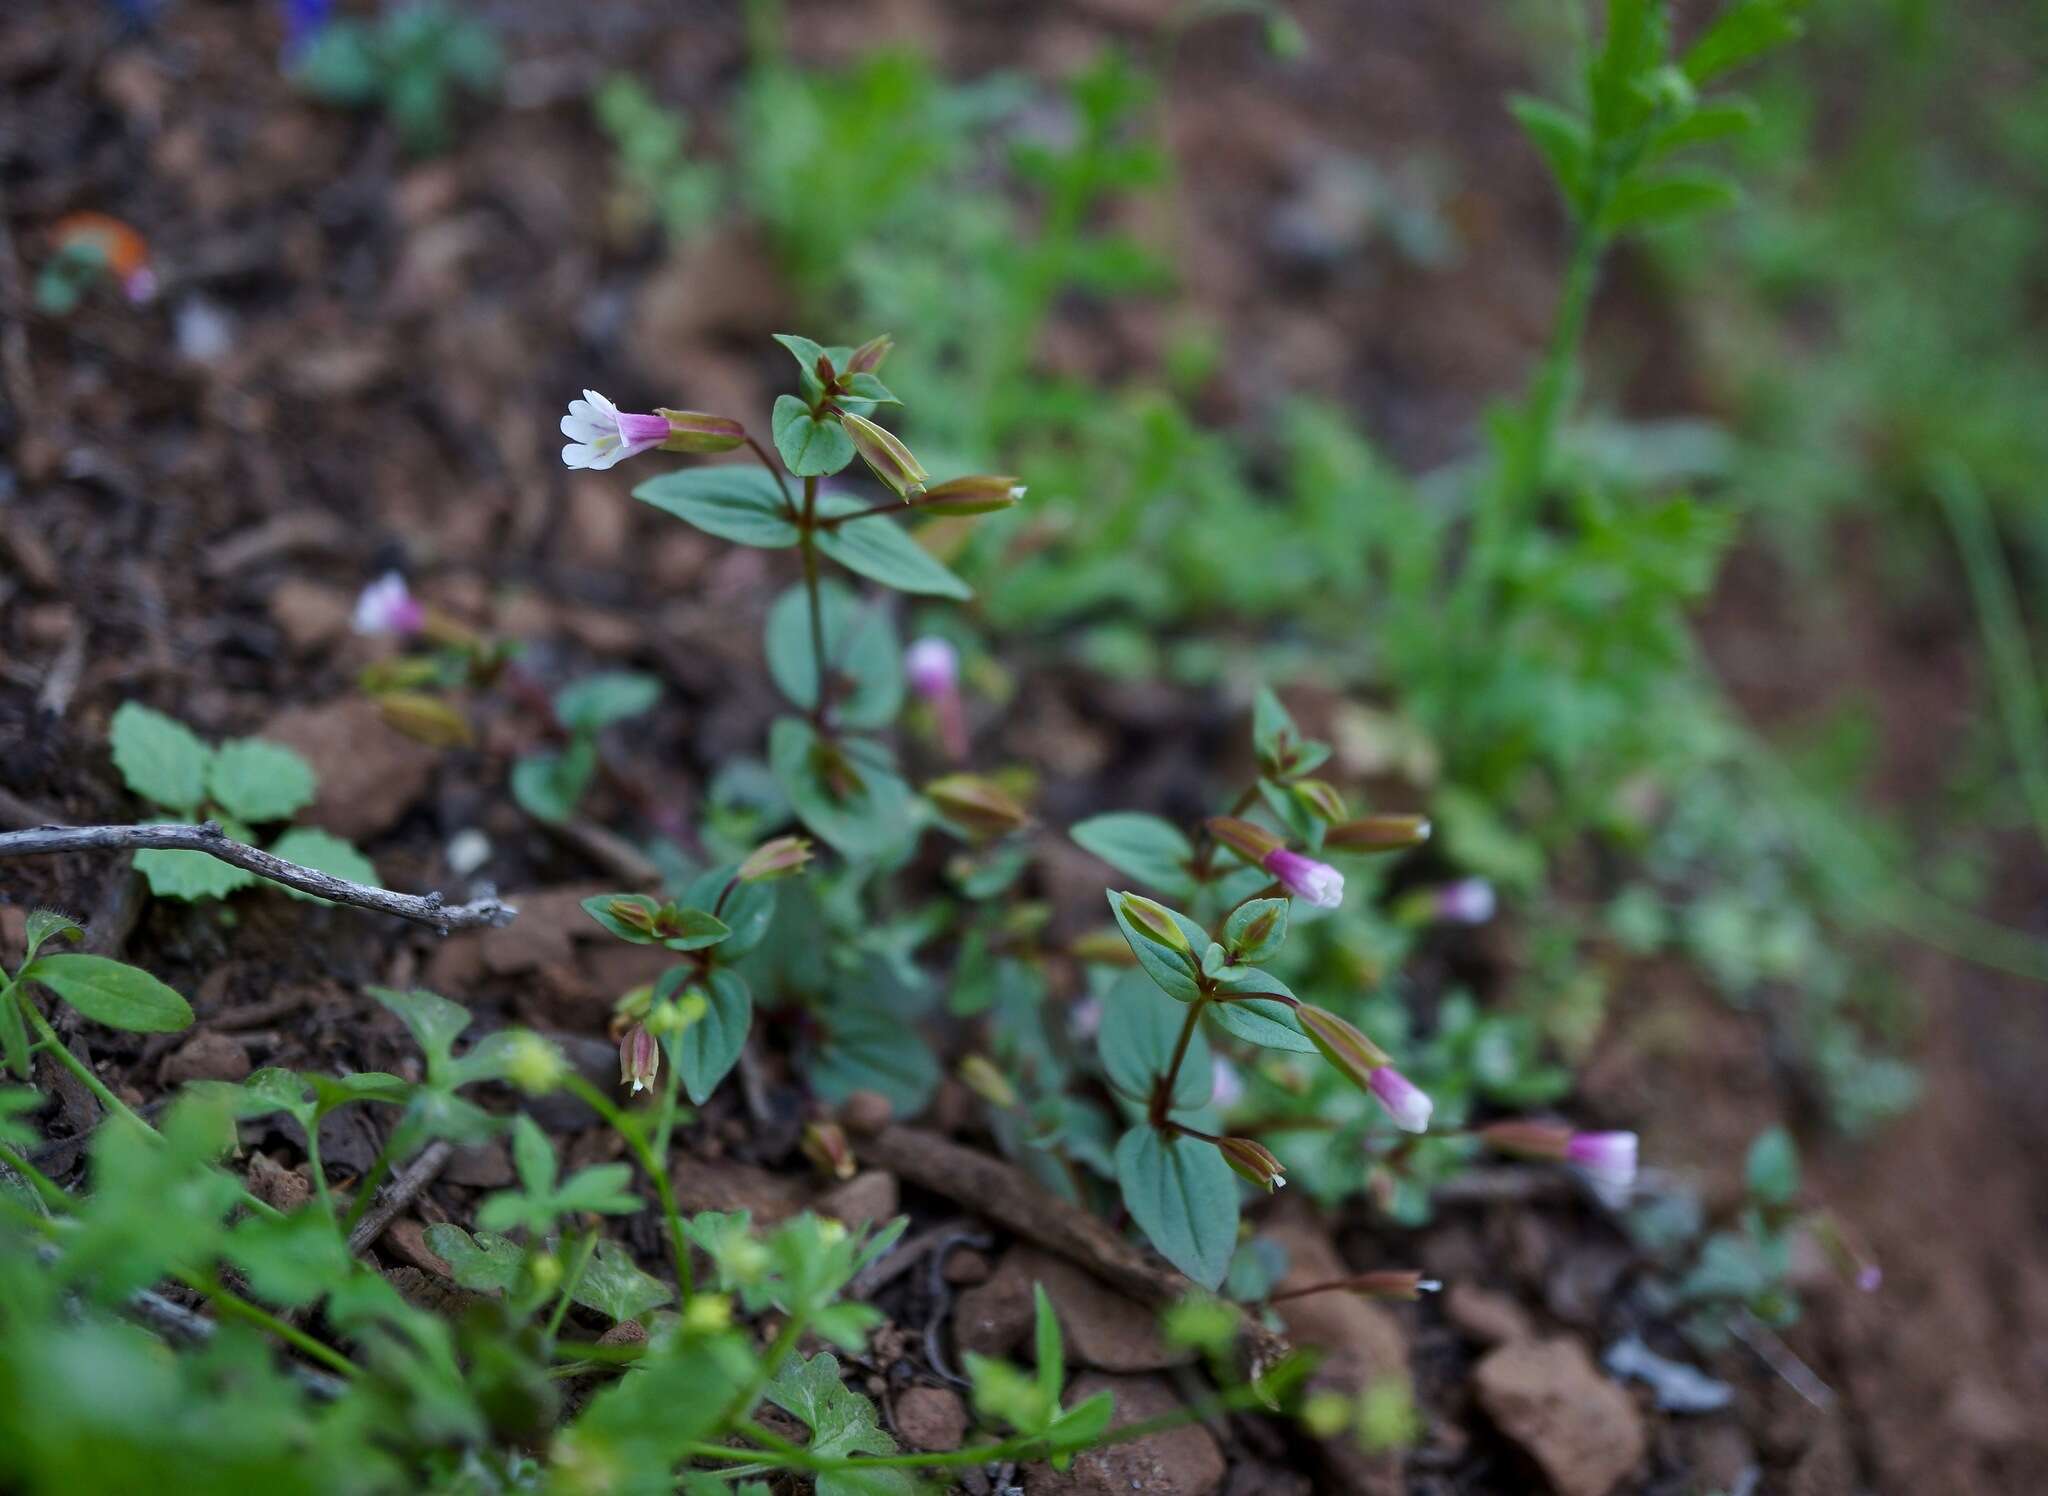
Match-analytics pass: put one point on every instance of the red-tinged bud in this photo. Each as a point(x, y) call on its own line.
point(1251, 842)
point(1378, 834)
point(981, 1077)
point(827, 375)
point(1154, 923)
point(978, 806)
point(868, 357)
point(1322, 799)
point(1522, 1139)
point(885, 455)
point(694, 431)
point(1253, 1161)
point(980, 494)
point(783, 857)
point(1106, 947)
point(639, 1058)
point(1355, 1056)
point(825, 1145)
point(1404, 1284)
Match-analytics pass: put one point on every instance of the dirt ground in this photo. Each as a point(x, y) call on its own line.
point(357, 360)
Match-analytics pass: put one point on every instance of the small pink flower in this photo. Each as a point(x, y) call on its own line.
point(1469, 901)
point(1609, 1157)
point(386, 606)
point(602, 436)
point(1869, 1278)
point(1405, 1101)
point(1226, 1086)
point(1304, 877)
point(933, 666)
point(1084, 1019)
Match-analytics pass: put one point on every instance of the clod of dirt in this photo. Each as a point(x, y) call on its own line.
point(931, 1418)
point(1183, 1461)
point(406, 1239)
point(275, 1185)
point(1582, 1430)
point(866, 1113)
point(1102, 1328)
point(1484, 1315)
point(722, 1184)
point(206, 1056)
point(311, 616)
point(991, 1319)
point(867, 1199)
point(966, 1267)
point(487, 1166)
point(370, 773)
point(625, 1332)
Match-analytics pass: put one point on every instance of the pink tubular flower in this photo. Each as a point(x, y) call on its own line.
point(1405, 1101)
point(601, 435)
point(1609, 1157)
point(386, 606)
point(1469, 901)
point(933, 666)
point(1305, 878)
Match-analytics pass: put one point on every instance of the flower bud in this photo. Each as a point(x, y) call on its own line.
point(425, 719)
point(886, 456)
point(1404, 1284)
point(1313, 882)
point(868, 357)
point(1405, 1101)
point(534, 1065)
point(694, 431)
point(1253, 1161)
point(1155, 923)
point(639, 1058)
point(1378, 834)
point(1524, 1139)
point(932, 666)
point(1106, 947)
point(387, 607)
point(634, 912)
point(1323, 800)
point(980, 494)
point(981, 1077)
point(1355, 1056)
point(781, 858)
point(1609, 1157)
point(707, 1314)
point(825, 1145)
point(1251, 842)
point(977, 805)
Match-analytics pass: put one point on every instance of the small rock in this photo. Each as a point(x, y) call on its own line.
point(625, 1332)
point(990, 1320)
point(275, 1185)
point(406, 1240)
point(723, 1184)
point(966, 1267)
point(1102, 1328)
point(370, 773)
point(487, 1166)
point(1579, 1427)
point(205, 1056)
point(1183, 1461)
point(931, 1418)
point(865, 1113)
point(1484, 1315)
point(309, 615)
point(867, 1199)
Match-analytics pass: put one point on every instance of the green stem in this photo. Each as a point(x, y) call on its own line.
point(52, 1193)
point(679, 1244)
point(807, 541)
point(775, 472)
point(234, 1306)
point(1162, 1093)
point(318, 1169)
point(570, 1282)
point(79, 1068)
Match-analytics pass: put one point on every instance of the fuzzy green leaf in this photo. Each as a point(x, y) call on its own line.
point(161, 758)
point(112, 992)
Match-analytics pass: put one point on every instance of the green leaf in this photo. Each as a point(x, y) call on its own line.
point(1563, 139)
point(483, 1263)
point(254, 780)
point(1721, 119)
point(869, 388)
point(610, 696)
point(747, 911)
point(705, 1052)
point(1183, 1197)
point(604, 1188)
point(615, 1287)
point(1772, 1169)
point(1648, 201)
point(742, 504)
point(1149, 849)
point(290, 1261)
point(883, 551)
point(1743, 31)
point(813, 446)
point(1050, 1353)
point(866, 1050)
point(1269, 1024)
point(434, 1022)
point(1172, 971)
point(112, 992)
point(850, 795)
point(323, 852)
point(191, 876)
point(1256, 930)
point(842, 1423)
point(803, 350)
point(549, 786)
point(45, 925)
point(161, 758)
point(863, 657)
point(1140, 1026)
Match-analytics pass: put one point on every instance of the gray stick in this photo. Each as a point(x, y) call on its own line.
point(400, 1193)
point(425, 909)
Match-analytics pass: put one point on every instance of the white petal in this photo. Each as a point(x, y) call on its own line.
point(583, 410)
point(605, 409)
point(576, 455)
point(599, 461)
point(580, 430)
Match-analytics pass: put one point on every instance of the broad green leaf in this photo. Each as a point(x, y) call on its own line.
point(842, 1423)
point(1274, 734)
point(1267, 1023)
point(813, 446)
point(161, 758)
point(1183, 1197)
point(1563, 139)
point(1149, 849)
point(324, 852)
point(865, 1050)
point(883, 551)
point(804, 351)
point(1140, 1026)
point(1174, 973)
point(483, 1263)
point(549, 786)
point(605, 1188)
point(1772, 1169)
point(615, 1287)
point(1647, 201)
point(742, 504)
point(599, 907)
point(434, 1022)
point(747, 911)
point(705, 1052)
point(610, 696)
point(112, 992)
point(863, 657)
point(850, 796)
point(191, 876)
point(254, 780)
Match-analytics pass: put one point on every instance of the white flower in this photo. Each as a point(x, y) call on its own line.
point(1404, 1100)
point(602, 436)
point(1315, 882)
